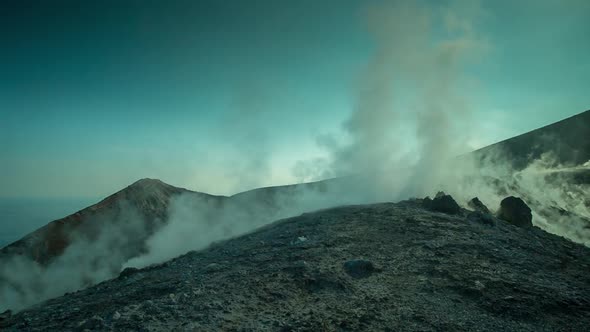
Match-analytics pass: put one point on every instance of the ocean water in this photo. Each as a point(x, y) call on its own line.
point(20, 216)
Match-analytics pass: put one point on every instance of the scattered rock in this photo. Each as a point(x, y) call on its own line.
point(359, 268)
point(479, 285)
point(94, 323)
point(514, 210)
point(128, 271)
point(442, 203)
point(477, 205)
point(480, 217)
point(213, 267)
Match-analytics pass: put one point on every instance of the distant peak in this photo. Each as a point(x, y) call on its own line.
point(147, 184)
point(147, 190)
point(147, 181)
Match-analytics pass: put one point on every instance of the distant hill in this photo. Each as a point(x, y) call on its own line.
point(149, 197)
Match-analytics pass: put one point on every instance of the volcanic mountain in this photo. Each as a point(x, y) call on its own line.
point(147, 196)
point(379, 267)
point(105, 236)
point(567, 141)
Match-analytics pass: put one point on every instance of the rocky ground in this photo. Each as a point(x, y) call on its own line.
point(383, 267)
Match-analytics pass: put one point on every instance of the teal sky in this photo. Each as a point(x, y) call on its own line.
point(97, 94)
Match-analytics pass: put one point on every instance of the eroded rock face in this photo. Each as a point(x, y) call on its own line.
point(516, 211)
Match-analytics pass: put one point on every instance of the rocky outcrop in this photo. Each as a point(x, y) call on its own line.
point(478, 205)
point(442, 203)
point(516, 211)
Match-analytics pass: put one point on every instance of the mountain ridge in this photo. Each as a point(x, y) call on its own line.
point(564, 138)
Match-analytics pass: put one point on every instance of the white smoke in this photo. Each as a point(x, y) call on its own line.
point(195, 223)
point(412, 117)
point(557, 197)
point(393, 140)
point(412, 109)
point(93, 256)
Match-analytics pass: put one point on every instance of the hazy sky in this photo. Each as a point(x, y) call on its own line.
point(202, 94)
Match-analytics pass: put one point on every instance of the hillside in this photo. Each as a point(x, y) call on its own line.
point(387, 267)
point(568, 140)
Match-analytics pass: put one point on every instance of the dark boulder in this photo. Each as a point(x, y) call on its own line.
point(442, 203)
point(359, 268)
point(478, 205)
point(128, 271)
point(514, 210)
point(5, 315)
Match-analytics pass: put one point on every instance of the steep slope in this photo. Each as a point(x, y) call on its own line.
point(386, 267)
point(549, 167)
point(568, 140)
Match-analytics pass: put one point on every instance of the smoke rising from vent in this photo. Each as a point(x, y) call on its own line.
point(412, 109)
point(411, 119)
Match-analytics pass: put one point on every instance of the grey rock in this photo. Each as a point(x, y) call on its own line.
point(478, 205)
point(94, 323)
point(213, 267)
point(516, 211)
